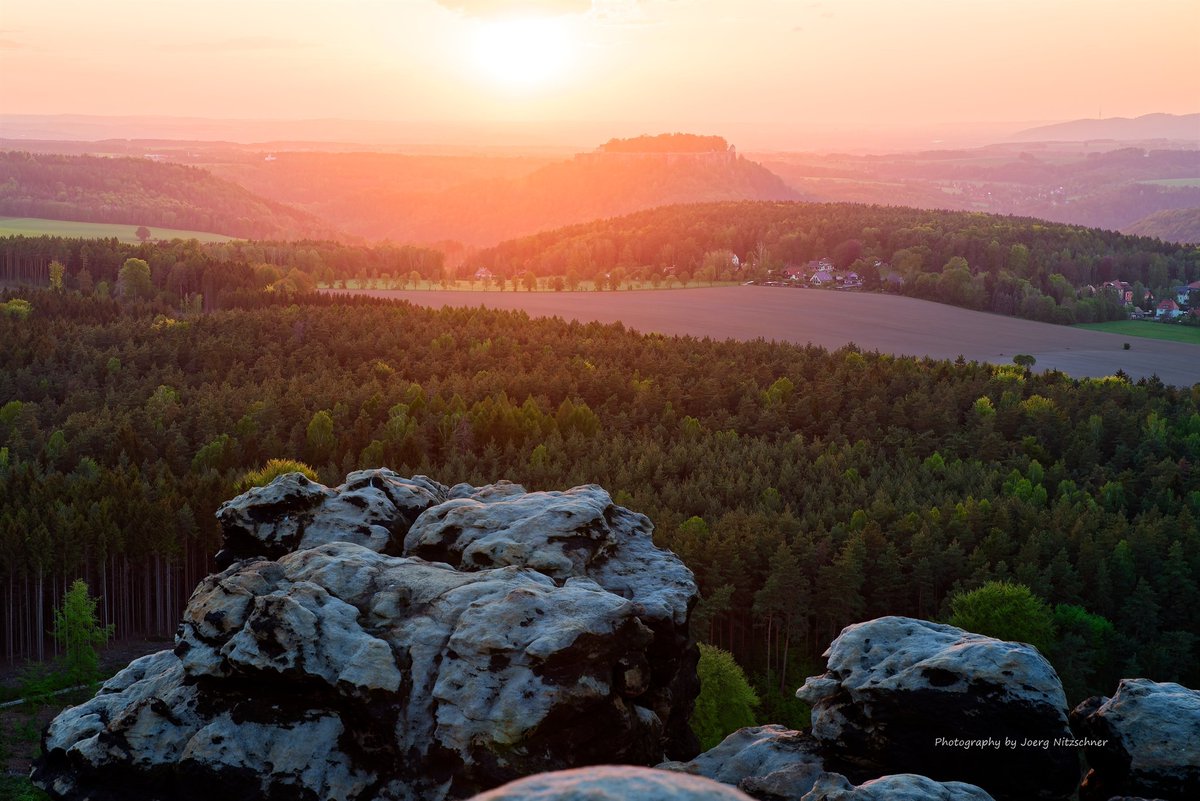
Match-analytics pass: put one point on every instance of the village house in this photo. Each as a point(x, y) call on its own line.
point(1184, 294)
point(849, 280)
point(1125, 292)
point(1168, 309)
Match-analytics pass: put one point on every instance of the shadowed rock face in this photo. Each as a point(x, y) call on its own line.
point(1144, 741)
point(337, 670)
point(910, 696)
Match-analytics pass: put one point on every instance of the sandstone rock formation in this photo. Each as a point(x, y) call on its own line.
point(549, 633)
point(910, 696)
point(772, 763)
point(374, 508)
point(766, 762)
point(612, 783)
point(1144, 741)
point(899, 787)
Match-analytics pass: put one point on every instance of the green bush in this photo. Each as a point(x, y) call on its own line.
point(17, 307)
point(726, 701)
point(1005, 611)
point(272, 470)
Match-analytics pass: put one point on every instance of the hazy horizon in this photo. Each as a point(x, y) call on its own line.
point(766, 74)
point(535, 135)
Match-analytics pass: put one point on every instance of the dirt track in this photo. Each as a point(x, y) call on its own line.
point(890, 324)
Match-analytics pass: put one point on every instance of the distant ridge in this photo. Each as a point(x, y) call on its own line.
point(143, 191)
point(1184, 127)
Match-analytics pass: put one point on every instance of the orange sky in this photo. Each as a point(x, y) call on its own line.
point(773, 72)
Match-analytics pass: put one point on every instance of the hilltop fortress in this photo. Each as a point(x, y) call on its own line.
point(675, 148)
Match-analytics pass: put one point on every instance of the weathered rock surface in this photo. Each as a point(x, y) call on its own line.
point(909, 696)
point(340, 671)
point(559, 534)
point(899, 787)
point(767, 762)
point(374, 508)
point(1144, 741)
point(613, 783)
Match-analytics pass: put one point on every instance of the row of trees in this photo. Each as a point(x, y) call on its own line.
point(806, 489)
point(183, 269)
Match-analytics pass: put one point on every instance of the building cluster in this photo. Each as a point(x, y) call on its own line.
point(821, 274)
point(1179, 302)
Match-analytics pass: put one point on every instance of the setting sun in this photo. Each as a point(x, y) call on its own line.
point(522, 52)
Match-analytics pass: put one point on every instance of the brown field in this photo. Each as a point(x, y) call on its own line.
point(889, 324)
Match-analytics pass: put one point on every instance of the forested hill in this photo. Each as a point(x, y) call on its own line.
point(143, 192)
point(1010, 265)
point(806, 489)
point(510, 197)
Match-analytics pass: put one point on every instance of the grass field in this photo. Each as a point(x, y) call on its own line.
point(1174, 182)
point(1148, 330)
point(34, 226)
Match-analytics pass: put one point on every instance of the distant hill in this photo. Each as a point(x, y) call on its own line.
point(1149, 126)
point(1103, 186)
point(482, 201)
point(370, 195)
point(1170, 225)
point(139, 191)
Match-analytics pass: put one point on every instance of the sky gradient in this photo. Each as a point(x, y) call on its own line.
point(775, 71)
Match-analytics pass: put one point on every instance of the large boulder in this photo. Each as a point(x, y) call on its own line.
point(340, 671)
point(770, 762)
point(612, 783)
point(899, 787)
point(1144, 741)
point(909, 696)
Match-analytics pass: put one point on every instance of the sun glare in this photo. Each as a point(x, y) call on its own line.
point(523, 53)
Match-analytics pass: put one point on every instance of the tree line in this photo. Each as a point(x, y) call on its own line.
point(182, 269)
point(806, 489)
